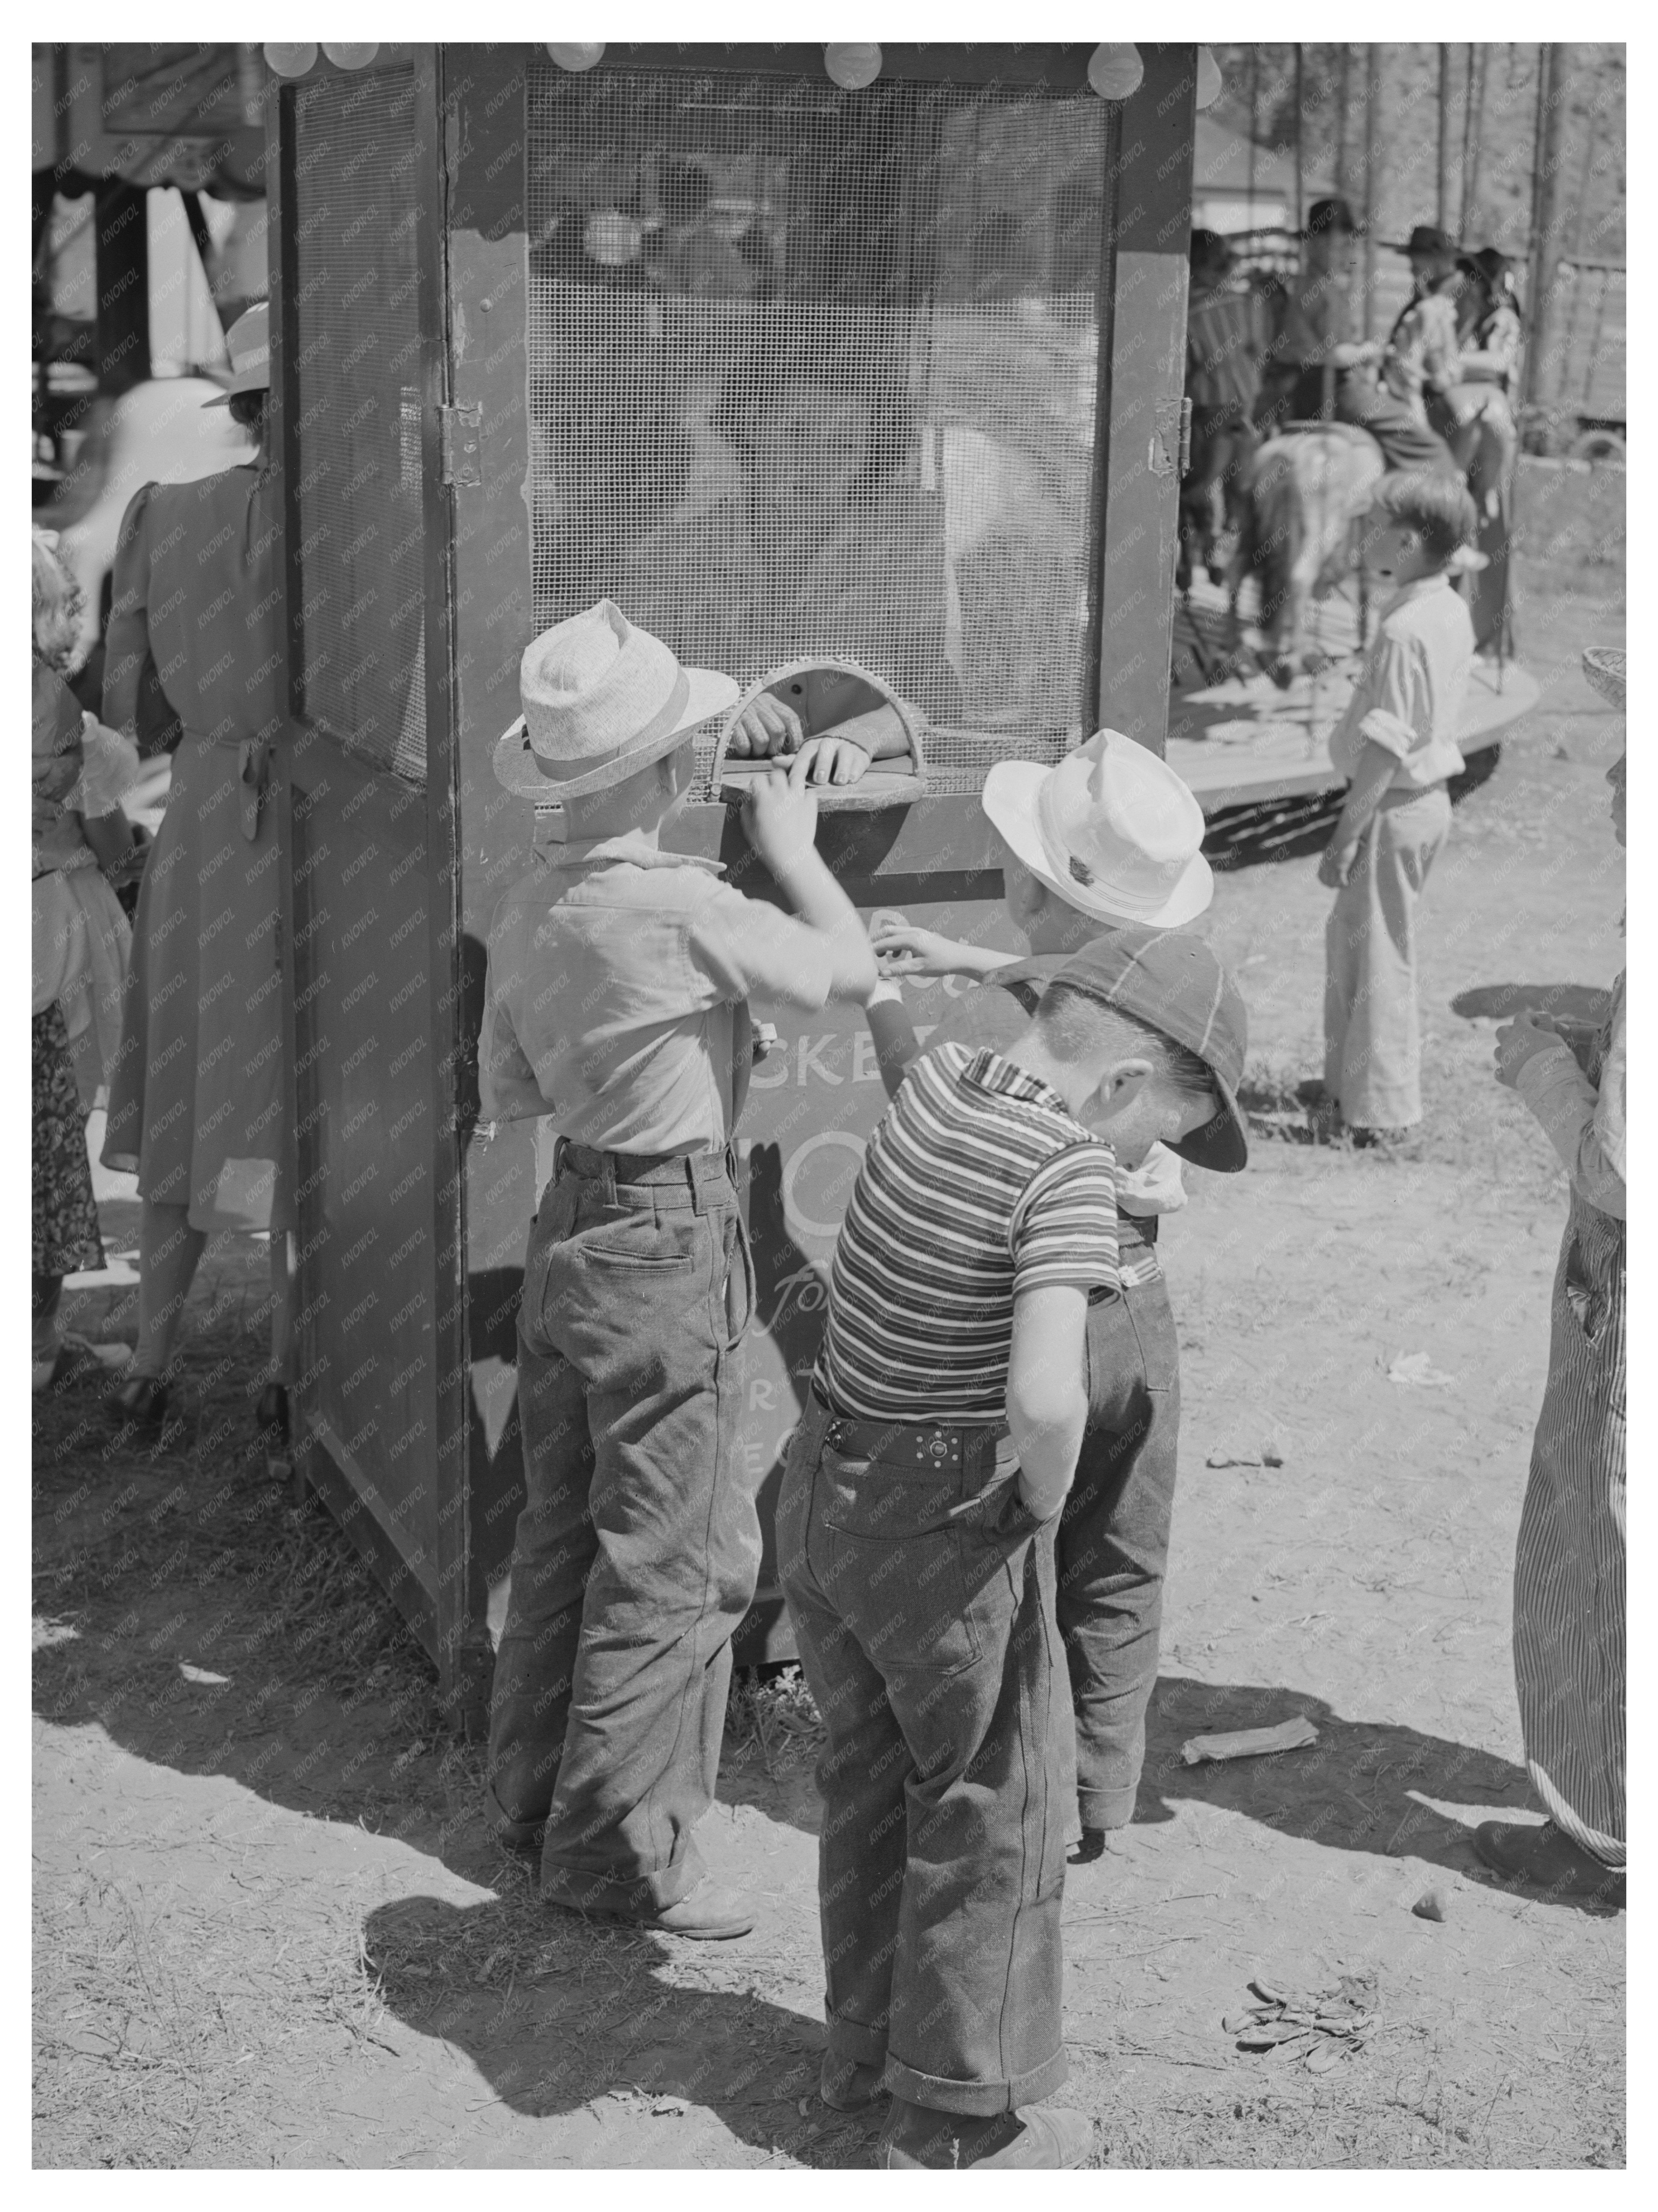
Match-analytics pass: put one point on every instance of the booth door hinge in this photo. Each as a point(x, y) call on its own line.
point(1171, 439)
point(462, 443)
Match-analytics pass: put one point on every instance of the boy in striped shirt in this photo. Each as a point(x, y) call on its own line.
point(1110, 837)
point(916, 1527)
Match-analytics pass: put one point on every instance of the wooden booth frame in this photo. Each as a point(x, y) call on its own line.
point(408, 1274)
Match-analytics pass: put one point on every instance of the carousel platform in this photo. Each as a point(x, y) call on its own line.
point(1239, 740)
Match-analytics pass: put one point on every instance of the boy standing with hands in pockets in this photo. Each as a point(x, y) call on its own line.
point(915, 1534)
point(617, 1003)
point(1109, 838)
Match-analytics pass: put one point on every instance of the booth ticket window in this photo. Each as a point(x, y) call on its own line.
point(814, 372)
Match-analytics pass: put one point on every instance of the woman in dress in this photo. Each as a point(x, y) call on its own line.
point(79, 773)
point(1569, 1587)
point(196, 1104)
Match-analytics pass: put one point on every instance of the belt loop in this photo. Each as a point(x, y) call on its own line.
point(699, 1203)
point(607, 1177)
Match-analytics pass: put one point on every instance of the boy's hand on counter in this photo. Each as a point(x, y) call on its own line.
point(779, 816)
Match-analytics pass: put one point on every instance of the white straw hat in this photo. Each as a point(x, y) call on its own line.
point(1111, 828)
point(249, 340)
point(601, 700)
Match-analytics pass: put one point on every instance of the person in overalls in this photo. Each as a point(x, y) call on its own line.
point(196, 1097)
point(1323, 372)
point(616, 1003)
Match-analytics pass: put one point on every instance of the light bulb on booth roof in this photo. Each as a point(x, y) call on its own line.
point(349, 57)
point(292, 60)
point(1210, 85)
point(1115, 71)
point(612, 238)
point(577, 59)
point(853, 67)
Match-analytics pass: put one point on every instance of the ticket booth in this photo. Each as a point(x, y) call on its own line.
point(889, 372)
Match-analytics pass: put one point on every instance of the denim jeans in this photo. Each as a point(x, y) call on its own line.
point(922, 1599)
point(638, 1547)
point(1113, 1543)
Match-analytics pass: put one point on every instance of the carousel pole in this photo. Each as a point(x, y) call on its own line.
point(1441, 211)
point(1301, 214)
point(1477, 61)
point(1372, 96)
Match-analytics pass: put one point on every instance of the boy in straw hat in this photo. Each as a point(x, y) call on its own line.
point(916, 1527)
point(1109, 838)
point(616, 1003)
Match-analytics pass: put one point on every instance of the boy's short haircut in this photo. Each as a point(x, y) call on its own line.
point(1438, 506)
point(1075, 1027)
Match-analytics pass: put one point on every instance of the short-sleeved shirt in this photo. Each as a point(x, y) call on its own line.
point(991, 1017)
point(978, 1184)
point(1423, 354)
point(617, 990)
point(1410, 693)
point(1224, 342)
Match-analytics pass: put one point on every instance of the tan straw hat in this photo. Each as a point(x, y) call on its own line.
point(1111, 830)
point(1603, 665)
point(249, 340)
point(601, 700)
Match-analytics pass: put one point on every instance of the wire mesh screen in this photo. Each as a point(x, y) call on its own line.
point(814, 372)
point(357, 344)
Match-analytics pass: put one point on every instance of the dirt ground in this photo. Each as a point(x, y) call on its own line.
point(271, 1929)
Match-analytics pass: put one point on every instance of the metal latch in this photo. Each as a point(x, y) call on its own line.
point(1171, 442)
point(462, 443)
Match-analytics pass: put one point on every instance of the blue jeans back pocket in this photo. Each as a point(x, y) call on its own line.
point(894, 1562)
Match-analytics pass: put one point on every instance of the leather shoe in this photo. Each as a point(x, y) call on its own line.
point(847, 2085)
point(1546, 1857)
point(707, 1914)
point(1051, 2138)
point(140, 1405)
point(270, 1416)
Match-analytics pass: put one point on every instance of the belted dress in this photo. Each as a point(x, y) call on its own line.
point(195, 1105)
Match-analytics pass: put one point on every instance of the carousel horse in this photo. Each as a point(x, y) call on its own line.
point(1304, 491)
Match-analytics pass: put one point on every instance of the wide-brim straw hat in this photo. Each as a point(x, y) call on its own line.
point(1111, 830)
point(601, 700)
point(1603, 665)
point(249, 340)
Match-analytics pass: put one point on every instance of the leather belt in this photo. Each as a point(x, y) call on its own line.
point(637, 1168)
point(932, 1445)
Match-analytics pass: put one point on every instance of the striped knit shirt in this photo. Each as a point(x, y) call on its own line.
point(978, 1184)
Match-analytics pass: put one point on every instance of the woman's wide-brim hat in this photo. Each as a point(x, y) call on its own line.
point(249, 340)
point(1603, 665)
point(601, 700)
point(1111, 830)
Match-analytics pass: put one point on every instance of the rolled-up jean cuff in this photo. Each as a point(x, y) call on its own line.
point(1106, 1808)
point(852, 2039)
point(635, 1897)
point(976, 2099)
point(525, 1835)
